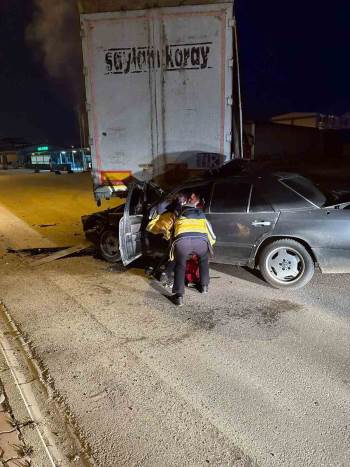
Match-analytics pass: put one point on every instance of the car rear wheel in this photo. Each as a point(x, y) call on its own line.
point(109, 246)
point(286, 263)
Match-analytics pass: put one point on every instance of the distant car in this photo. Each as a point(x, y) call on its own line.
point(279, 223)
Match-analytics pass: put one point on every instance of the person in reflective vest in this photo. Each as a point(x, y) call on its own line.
point(158, 236)
point(193, 235)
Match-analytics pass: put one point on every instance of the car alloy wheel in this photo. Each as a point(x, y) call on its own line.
point(286, 263)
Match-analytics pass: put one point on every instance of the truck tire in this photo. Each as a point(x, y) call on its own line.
point(286, 264)
point(108, 245)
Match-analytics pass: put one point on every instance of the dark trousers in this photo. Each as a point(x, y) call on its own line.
point(155, 250)
point(184, 249)
point(170, 268)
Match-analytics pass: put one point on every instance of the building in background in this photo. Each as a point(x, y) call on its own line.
point(9, 152)
point(298, 136)
point(18, 153)
point(314, 120)
point(8, 159)
point(265, 141)
point(54, 158)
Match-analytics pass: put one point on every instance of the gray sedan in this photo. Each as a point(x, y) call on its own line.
point(279, 223)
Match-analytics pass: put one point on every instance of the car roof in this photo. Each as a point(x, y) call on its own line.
point(256, 175)
point(280, 198)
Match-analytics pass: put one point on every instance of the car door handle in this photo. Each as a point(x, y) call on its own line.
point(261, 223)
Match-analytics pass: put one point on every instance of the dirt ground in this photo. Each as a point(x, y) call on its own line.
point(51, 204)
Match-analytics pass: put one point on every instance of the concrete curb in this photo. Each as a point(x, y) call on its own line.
point(13, 449)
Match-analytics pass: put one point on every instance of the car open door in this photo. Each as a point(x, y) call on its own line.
point(130, 225)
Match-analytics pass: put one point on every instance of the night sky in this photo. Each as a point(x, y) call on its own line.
point(294, 56)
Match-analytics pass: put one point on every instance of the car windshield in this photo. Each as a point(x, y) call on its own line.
point(306, 189)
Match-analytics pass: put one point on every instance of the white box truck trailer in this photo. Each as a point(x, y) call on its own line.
point(162, 88)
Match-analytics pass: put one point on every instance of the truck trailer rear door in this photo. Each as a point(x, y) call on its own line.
point(159, 85)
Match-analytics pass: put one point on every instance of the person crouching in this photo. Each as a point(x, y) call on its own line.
point(193, 235)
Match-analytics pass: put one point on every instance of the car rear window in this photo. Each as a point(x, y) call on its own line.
point(281, 197)
point(306, 189)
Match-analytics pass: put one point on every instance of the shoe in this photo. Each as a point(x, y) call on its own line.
point(178, 300)
point(163, 278)
point(166, 281)
point(204, 289)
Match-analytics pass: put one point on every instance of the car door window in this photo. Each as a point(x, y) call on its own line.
point(259, 203)
point(153, 194)
point(136, 201)
point(203, 191)
point(230, 197)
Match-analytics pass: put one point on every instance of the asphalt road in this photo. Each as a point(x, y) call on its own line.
point(247, 375)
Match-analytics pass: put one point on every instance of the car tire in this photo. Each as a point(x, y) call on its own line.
point(286, 264)
point(108, 245)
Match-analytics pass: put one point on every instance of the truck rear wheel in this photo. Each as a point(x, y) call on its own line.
point(109, 245)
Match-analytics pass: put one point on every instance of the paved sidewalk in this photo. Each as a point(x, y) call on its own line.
point(13, 450)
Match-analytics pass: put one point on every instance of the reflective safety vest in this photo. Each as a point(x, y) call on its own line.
point(193, 223)
point(162, 225)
